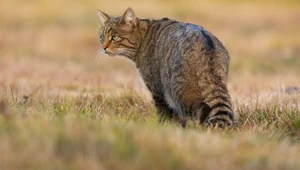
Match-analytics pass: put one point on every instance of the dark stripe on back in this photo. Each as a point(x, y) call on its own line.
point(165, 27)
point(164, 19)
point(210, 42)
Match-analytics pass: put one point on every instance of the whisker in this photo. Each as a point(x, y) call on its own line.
point(96, 57)
point(99, 54)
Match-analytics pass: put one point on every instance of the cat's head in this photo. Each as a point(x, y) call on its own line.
point(119, 35)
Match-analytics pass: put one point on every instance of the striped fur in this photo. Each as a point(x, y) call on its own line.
point(183, 65)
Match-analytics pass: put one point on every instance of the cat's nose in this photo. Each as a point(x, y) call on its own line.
point(104, 47)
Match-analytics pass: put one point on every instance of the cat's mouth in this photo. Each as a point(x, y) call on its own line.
point(110, 54)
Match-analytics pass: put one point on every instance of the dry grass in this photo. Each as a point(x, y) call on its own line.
point(64, 108)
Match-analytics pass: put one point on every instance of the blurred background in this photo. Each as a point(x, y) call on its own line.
point(79, 110)
point(48, 48)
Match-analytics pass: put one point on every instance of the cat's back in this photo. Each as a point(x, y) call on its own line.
point(189, 54)
point(169, 29)
point(180, 37)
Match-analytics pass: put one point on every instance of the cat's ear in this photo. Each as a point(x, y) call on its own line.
point(103, 17)
point(128, 17)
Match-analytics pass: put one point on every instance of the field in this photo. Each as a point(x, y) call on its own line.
point(62, 106)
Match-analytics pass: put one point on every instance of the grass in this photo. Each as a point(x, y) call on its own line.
point(121, 132)
point(61, 107)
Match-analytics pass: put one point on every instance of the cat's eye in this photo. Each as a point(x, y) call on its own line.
point(102, 38)
point(115, 37)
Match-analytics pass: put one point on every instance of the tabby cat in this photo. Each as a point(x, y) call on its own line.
point(183, 65)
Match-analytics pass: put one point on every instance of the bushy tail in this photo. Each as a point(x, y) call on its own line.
point(219, 108)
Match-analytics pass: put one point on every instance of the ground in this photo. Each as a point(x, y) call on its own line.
point(62, 106)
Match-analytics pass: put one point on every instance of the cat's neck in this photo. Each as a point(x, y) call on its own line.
point(146, 27)
point(150, 30)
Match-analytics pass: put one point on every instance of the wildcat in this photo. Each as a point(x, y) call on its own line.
point(183, 65)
